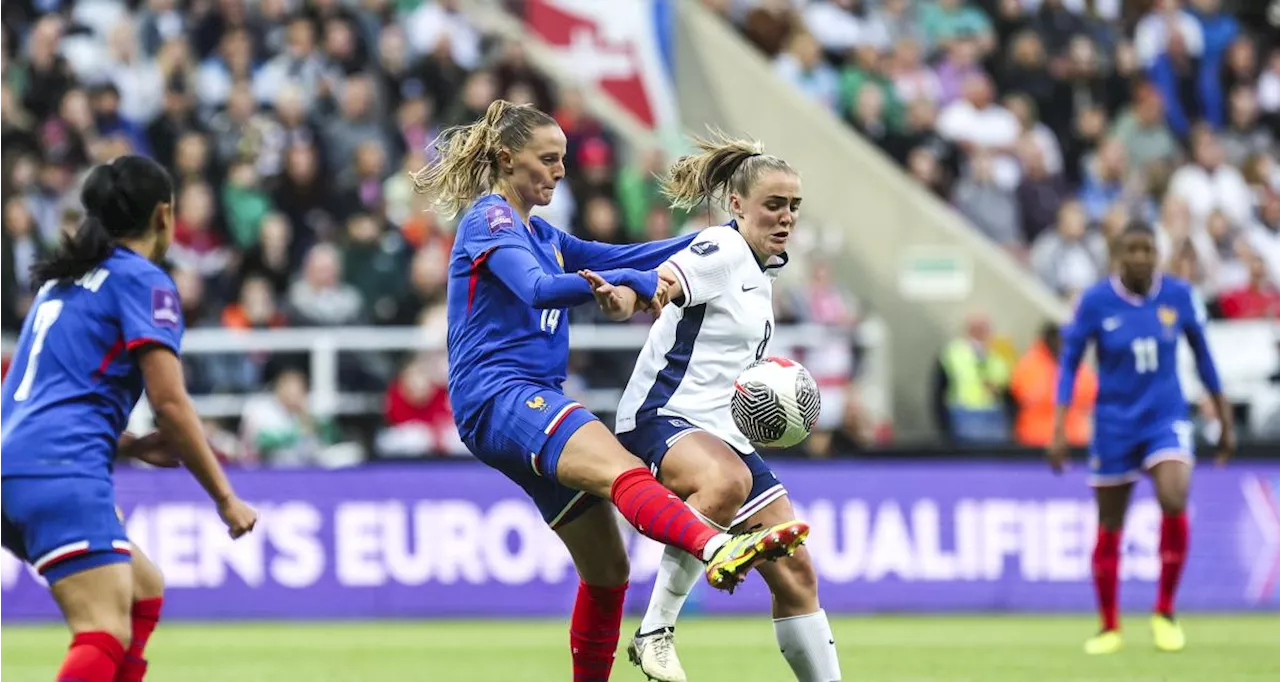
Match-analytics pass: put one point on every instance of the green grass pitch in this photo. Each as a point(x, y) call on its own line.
point(874, 648)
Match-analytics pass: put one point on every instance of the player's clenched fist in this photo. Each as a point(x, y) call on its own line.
point(239, 517)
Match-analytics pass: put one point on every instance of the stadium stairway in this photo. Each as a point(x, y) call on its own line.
point(907, 254)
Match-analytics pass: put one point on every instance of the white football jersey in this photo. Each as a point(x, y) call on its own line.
point(696, 350)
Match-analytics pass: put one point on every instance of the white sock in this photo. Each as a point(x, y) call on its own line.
point(677, 574)
point(809, 647)
point(712, 545)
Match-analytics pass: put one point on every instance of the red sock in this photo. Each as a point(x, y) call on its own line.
point(93, 657)
point(146, 614)
point(1106, 576)
point(658, 514)
point(1173, 555)
point(593, 633)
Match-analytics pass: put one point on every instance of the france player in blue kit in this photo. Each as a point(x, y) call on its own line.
point(1141, 421)
point(511, 279)
point(105, 324)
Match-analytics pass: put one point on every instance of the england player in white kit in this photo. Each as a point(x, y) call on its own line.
point(675, 412)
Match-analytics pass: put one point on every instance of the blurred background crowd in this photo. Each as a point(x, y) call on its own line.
point(290, 126)
point(1050, 124)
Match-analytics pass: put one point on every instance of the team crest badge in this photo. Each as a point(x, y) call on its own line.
point(705, 248)
point(1168, 319)
point(537, 403)
point(559, 257)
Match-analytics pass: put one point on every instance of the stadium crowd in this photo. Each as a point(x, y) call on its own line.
point(290, 127)
point(1049, 124)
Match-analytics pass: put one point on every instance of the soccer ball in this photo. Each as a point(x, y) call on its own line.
point(775, 403)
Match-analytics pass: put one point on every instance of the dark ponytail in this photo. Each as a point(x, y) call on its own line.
point(120, 199)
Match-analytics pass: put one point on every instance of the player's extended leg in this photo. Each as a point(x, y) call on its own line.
point(713, 480)
point(1113, 501)
point(148, 598)
point(800, 625)
point(601, 559)
point(95, 604)
point(1172, 481)
point(594, 461)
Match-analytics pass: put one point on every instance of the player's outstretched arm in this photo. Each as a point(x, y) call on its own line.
point(524, 276)
point(1208, 372)
point(179, 424)
point(1075, 338)
point(580, 254)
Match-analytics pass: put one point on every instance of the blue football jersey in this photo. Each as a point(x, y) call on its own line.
point(74, 380)
point(1136, 338)
point(495, 338)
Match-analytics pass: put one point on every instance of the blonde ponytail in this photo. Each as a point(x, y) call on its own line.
point(468, 155)
point(722, 165)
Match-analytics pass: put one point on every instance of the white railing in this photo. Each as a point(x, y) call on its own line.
point(323, 344)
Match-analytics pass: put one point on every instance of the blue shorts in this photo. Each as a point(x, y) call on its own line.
point(62, 526)
point(1118, 460)
point(521, 432)
point(655, 434)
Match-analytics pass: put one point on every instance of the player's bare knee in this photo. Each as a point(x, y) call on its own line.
point(719, 497)
point(1172, 501)
point(607, 571)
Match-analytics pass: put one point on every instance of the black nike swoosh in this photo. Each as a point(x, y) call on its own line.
point(747, 288)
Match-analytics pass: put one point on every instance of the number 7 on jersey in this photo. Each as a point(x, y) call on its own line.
point(46, 315)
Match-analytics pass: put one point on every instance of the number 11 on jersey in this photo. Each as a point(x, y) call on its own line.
point(1146, 355)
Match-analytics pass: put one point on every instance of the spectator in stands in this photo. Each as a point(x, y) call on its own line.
point(1208, 183)
point(1223, 253)
point(946, 20)
point(306, 198)
point(893, 22)
point(639, 190)
point(824, 301)
point(1057, 25)
point(19, 250)
point(768, 25)
point(428, 274)
point(197, 244)
point(1264, 234)
point(278, 429)
point(177, 118)
point(959, 63)
point(867, 68)
point(837, 25)
point(991, 208)
point(418, 416)
point(973, 381)
point(320, 297)
point(374, 261)
point(977, 122)
point(868, 115)
point(1034, 386)
point(1240, 65)
point(1178, 77)
point(1069, 258)
point(802, 65)
point(440, 25)
point(1031, 129)
point(1159, 27)
point(924, 167)
point(244, 204)
point(1106, 179)
point(1143, 131)
point(1245, 134)
point(1040, 192)
point(1025, 71)
point(300, 65)
point(912, 79)
point(1258, 299)
point(356, 124)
